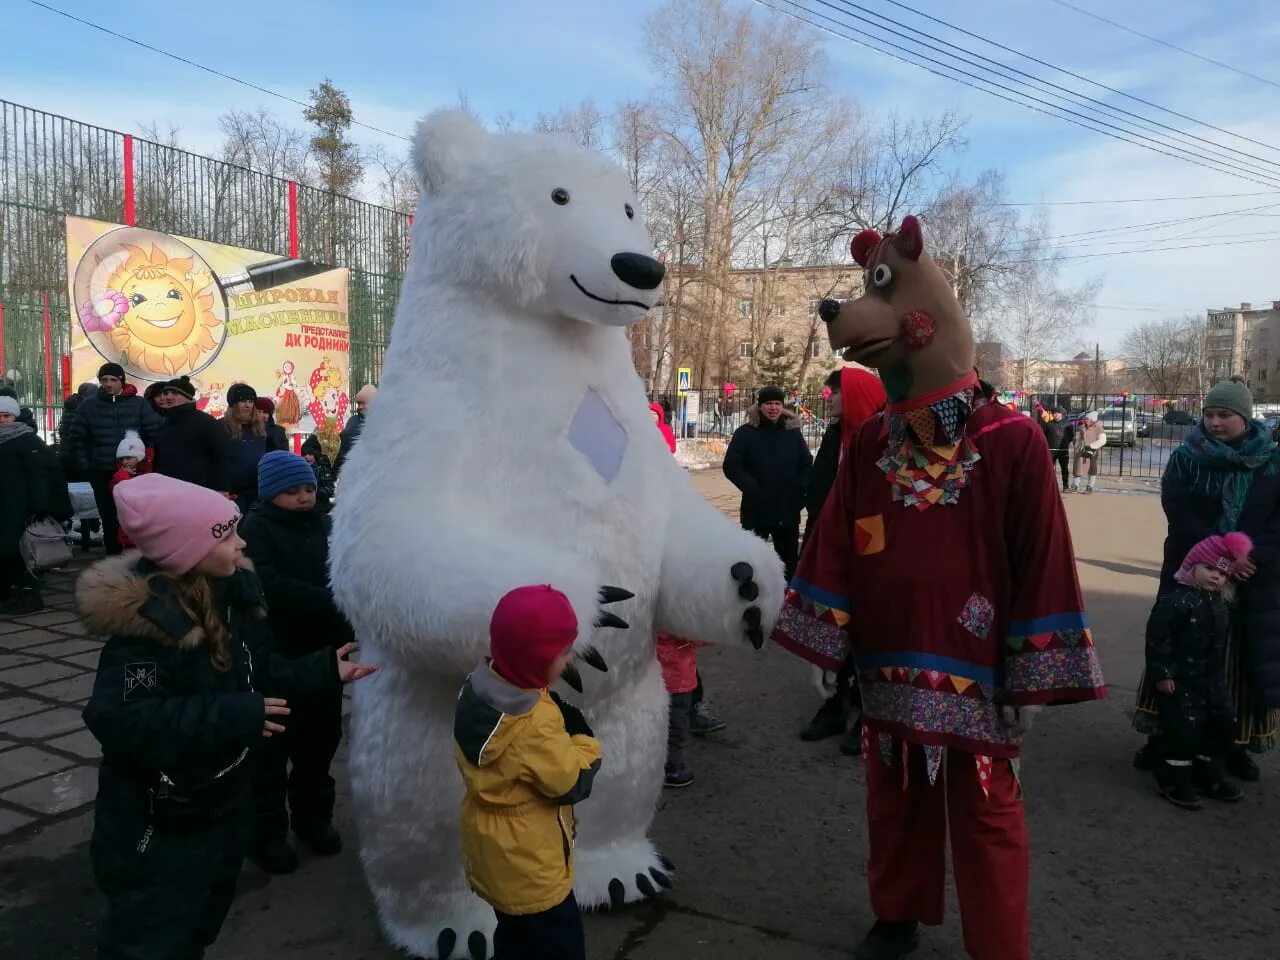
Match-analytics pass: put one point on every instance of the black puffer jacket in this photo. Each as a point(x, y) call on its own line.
point(290, 550)
point(100, 424)
point(347, 439)
point(823, 476)
point(194, 447)
point(1192, 498)
point(159, 706)
point(770, 464)
point(31, 481)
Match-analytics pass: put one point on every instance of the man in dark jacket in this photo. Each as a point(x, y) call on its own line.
point(769, 461)
point(1058, 434)
point(351, 432)
point(100, 424)
point(193, 446)
point(288, 541)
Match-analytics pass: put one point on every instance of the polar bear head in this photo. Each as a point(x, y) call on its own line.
point(532, 219)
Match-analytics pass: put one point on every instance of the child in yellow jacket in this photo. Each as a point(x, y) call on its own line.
point(526, 758)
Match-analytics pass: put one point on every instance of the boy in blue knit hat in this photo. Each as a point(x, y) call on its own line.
point(288, 541)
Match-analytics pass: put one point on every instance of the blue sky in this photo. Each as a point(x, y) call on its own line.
point(398, 60)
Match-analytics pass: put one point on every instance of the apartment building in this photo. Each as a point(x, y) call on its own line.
point(1245, 342)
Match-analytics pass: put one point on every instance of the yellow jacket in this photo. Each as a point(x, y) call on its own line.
point(523, 773)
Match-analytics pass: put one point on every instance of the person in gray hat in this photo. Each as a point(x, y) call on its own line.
point(1225, 478)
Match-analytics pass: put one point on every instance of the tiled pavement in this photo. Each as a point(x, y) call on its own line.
point(48, 760)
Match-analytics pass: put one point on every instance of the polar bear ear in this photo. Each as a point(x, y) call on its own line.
point(445, 143)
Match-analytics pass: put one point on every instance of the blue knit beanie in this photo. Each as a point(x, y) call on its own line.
point(279, 470)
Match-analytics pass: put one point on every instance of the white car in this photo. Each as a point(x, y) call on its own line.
point(1120, 426)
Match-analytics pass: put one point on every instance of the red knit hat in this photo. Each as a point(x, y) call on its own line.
point(1222, 553)
point(531, 626)
point(266, 405)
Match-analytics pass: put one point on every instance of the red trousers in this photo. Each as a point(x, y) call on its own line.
point(907, 832)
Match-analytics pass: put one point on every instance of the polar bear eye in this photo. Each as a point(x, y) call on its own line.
point(630, 211)
point(560, 195)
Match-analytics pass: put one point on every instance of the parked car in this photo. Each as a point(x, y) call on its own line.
point(1120, 426)
point(1179, 418)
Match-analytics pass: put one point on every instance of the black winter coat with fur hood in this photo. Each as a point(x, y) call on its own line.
point(770, 464)
point(161, 709)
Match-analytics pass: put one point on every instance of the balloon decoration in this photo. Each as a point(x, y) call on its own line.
point(730, 388)
point(826, 393)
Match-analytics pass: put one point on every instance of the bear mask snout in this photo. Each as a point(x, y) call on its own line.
point(637, 270)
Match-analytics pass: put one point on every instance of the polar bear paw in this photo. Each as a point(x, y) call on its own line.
point(604, 618)
point(610, 878)
point(460, 930)
point(744, 575)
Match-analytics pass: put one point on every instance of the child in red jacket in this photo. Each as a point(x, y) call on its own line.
point(679, 661)
point(131, 460)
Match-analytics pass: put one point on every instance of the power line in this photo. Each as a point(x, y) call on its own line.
point(1223, 155)
point(1070, 73)
point(1165, 43)
point(1085, 122)
point(1156, 224)
point(198, 66)
point(1078, 203)
point(1122, 253)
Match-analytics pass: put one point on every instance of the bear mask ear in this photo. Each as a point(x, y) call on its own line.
point(445, 143)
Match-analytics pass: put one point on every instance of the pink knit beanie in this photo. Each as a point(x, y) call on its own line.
point(1221, 553)
point(174, 523)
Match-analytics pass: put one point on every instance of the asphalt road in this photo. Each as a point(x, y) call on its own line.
point(770, 841)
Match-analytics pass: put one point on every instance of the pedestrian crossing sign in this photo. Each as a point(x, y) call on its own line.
point(684, 378)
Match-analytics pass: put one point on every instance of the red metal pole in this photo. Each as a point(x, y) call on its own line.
point(129, 217)
point(48, 366)
point(3, 365)
point(66, 375)
point(293, 219)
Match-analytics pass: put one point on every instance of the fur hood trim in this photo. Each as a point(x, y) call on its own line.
point(790, 419)
point(114, 596)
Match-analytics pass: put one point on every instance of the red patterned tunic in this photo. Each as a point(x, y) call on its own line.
point(950, 566)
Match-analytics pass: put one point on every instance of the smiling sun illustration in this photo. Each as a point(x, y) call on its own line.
point(168, 323)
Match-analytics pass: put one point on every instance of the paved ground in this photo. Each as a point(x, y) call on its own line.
point(769, 842)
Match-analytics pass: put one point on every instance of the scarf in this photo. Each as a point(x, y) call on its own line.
point(11, 431)
point(1228, 469)
point(929, 459)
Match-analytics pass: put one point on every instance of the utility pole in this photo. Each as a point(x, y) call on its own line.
point(1097, 373)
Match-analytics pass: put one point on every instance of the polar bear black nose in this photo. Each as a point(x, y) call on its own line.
point(828, 310)
point(637, 270)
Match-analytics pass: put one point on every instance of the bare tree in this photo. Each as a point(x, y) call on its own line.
point(734, 90)
point(1038, 316)
point(260, 141)
point(891, 170)
point(1168, 355)
point(975, 238)
point(584, 123)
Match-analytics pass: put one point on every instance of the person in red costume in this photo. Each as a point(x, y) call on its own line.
point(659, 418)
point(944, 556)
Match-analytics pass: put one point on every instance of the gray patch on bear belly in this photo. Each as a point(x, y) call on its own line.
point(596, 434)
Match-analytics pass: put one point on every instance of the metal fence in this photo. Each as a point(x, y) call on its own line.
point(1141, 431)
point(52, 167)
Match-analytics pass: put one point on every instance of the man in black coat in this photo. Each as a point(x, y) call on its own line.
point(351, 432)
point(1058, 434)
point(769, 461)
point(100, 424)
point(193, 446)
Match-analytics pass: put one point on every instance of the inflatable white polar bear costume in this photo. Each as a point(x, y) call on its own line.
point(511, 443)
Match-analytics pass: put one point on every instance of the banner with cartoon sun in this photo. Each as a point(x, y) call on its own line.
point(163, 306)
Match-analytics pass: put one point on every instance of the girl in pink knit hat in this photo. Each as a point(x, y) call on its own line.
point(1186, 661)
point(187, 688)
